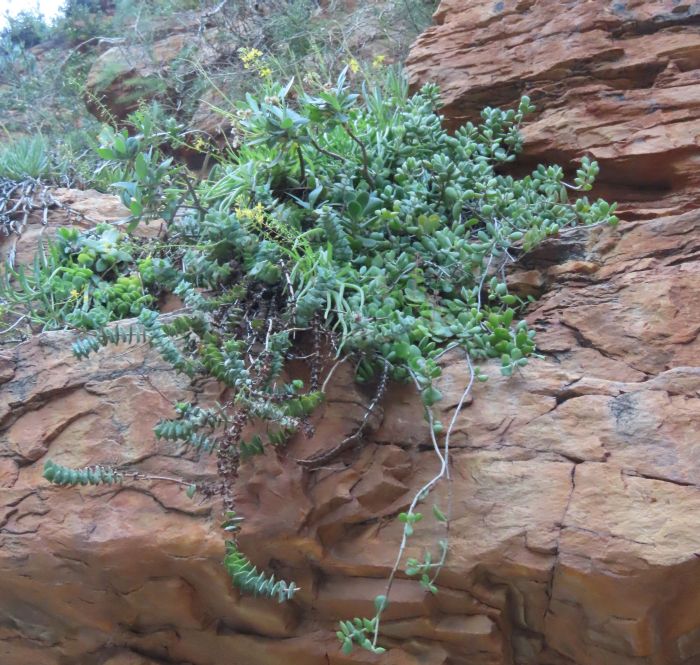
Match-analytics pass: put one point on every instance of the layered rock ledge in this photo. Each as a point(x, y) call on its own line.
point(575, 495)
point(616, 80)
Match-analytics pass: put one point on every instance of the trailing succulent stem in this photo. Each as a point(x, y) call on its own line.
point(90, 475)
point(99, 474)
point(348, 228)
point(246, 577)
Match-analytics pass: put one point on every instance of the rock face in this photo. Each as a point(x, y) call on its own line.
point(574, 491)
point(615, 80)
point(66, 207)
point(574, 495)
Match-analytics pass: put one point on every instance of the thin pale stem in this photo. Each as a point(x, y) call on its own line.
point(444, 456)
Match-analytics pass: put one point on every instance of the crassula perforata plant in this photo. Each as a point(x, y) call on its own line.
point(348, 227)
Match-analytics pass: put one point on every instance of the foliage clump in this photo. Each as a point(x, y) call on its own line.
point(44, 65)
point(82, 280)
point(25, 158)
point(350, 226)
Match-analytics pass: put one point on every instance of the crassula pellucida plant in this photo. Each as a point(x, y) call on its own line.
point(353, 227)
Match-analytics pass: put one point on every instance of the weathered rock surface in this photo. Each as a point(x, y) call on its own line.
point(66, 207)
point(123, 76)
point(575, 492)
point(615, 80)
point(574, 496)
point(166, 66)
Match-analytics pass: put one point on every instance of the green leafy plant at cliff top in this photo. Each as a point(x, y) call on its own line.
point(350, 227)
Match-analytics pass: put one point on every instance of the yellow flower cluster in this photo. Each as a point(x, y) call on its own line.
point(249, 56)
point(268, 226)
point(200, 144)
point(253, 59)
point(377, 63)
point(254, 216)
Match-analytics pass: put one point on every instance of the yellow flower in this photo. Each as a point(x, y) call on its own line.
point(255, 216)
point(249, 57)
point(354, 65)
point(199, 144)
point(74, 293)
point(378, 61)
point(252, 58)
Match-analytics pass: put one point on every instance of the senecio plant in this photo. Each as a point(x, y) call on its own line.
point(348, 227)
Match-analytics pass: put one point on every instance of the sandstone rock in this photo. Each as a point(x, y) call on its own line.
point(92, 206)
point(209, 116)
point(614, 80)
point(68, 207)
point(166, 65)
point(617, 391)
point(125, 75)
point(574, 491)
point(573, 495)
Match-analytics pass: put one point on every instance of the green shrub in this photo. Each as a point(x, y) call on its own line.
point(25, 29)
point(345, 221)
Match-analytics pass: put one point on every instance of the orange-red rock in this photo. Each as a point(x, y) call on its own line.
point(575, 484)
point(619, 81)
point(574, 495)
